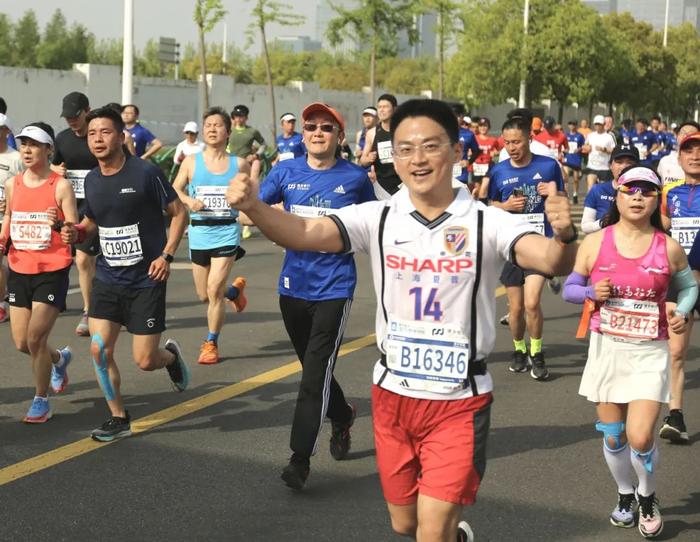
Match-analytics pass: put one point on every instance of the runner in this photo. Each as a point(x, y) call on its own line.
point(73, 160)
point(369, 121)
point(10, 165)
point(644, 140)
point(583, 128)
point(601, 195)
point(488, 150)
point(626, 373)
point(125, 200)
point(669, 169)
point(681, 213)
point(39, 262)
point(145, 143)
point(190, 145)
point(377, 152)
point(553, 138)
point(245, 142)
point(626, 131)
point(214, 232)
point(290, 143)
point(573, 158)
point(439, 248)
point(520, 185)
point(599, 145)
point(470, 152)
point(659, 141)
point(10, 137)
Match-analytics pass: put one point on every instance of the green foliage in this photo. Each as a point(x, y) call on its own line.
point(207, 13)
point(6, 33)
point(407, 76)
point(106, 51)
point(26, 41)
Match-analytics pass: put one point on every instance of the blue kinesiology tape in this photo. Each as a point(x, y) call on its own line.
point(612, 430)
point(101, 368)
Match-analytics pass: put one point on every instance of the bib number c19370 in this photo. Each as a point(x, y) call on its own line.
point(214, 199)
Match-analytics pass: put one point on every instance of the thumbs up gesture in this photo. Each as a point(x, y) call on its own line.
point(558, 211)
point(242, 192)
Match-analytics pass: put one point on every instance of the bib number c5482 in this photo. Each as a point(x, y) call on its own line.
point(30, 231)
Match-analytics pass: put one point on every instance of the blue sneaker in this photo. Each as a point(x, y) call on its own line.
point(179, 371)
point(623, 514)
point(39, 412)
point(59, 375)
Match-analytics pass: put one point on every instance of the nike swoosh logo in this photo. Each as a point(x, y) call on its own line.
point(397, 242)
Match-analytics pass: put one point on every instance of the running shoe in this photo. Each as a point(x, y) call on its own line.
point(623, 514)
point(464, 532)
point(59, 375)
point(82, 329)
point(340, 436)
point(674, 428)
point(39, 412)
point(239, 304)
point(575, 199)
point(208, 353)
point(178, 370)
point(554, 285)
point(114, 428)
point(650, 521)
point(539, 370)
point(505, 319)
point(4, 312)
point(245, 232)
point(520, 362)
point(296, 472)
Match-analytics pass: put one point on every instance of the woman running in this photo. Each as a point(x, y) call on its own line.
point(38, 202)
point(630, 264)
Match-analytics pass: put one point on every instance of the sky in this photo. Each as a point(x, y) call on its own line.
point(155, 18)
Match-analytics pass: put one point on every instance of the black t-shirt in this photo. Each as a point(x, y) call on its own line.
point(128, 209)
point(73, 151)
point(384, 164)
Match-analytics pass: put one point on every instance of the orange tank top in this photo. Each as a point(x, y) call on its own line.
point(35, 248)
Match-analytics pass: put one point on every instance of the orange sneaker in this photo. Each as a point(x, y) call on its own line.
point(208, 353)
point(239, 304)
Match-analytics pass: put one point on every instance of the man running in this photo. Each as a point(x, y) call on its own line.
point(644, 140)
point(190, 145)
point(290, 143)
point(73, 160)
point(470, 152)
point(553, 138)
point(599, 144)
point(377, 153)
point(245, 142)
point(436, 254)
point(669, 169)
point(488, 150)
point(521, 185)
point(369, 121)
point(214, 232)
point(145, 143)
point(125, 202)
point(572, 158)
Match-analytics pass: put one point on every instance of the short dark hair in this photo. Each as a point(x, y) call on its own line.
point(46, 127)
point(116, 106)
point(520, 113)
point(656, 117)
point(106, 112)
point(435, 110)
point(573, 121)
point(3, 106)
point(388, 98)
point(136, 108)
point(216, 110)
point(518, 123)
point(643, 121)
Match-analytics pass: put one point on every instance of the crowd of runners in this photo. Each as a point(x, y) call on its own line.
point(446, 210)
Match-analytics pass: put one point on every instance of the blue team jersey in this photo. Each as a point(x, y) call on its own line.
point(600, 198)
point(504, 178)
point(142, 137)
point(669, 141)
point(575, 142)
point(308, 192)
point(644, 142)
point(468, 140)
point(290, 147)
point(626, 135)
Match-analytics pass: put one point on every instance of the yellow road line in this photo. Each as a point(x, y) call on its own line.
point(86, 445)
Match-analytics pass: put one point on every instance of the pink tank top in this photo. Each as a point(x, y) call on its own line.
point(636, 308)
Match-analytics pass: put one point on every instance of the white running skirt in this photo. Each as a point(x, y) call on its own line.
point(621, 372)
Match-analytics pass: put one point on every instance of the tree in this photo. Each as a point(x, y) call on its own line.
point(105, 51)
point(448, 23)
point(26, 41)
point(6, 32)
point(684, 44)
point(207, 13)
point(53, 53)
point(375, 24)
point(267, 12)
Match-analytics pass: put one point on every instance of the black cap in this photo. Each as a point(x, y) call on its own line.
point(240, 111)
point(625, 150)
point(74, 103)
point(549, 122)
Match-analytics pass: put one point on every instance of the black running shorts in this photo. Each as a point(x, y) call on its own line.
point(141, 310)
point(512, 275)
point(50, 288)
point(203, 256)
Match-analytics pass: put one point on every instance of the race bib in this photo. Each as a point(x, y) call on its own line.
point(286, 156)
point(2, 191)
point(457, 170)
point(30, 231)
point(537, 220)
point(684, 230)
point(573, 146)
point(307, 211)
point(214, 199)
point(121, 246)
point(480, 170)
point(384, 152)
point(630, 319)
point(642, 148)
point(77, 179)
point(434, 356)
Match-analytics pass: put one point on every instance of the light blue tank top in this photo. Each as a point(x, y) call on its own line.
point(211, 188)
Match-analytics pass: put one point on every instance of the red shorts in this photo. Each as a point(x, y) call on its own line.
point(435, 448)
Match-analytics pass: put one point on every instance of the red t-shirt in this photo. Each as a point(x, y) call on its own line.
point(556, 141)
point(487, 144)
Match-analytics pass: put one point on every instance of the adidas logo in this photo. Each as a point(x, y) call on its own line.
point(339, 190)
point(537, 177)
point(404, 383)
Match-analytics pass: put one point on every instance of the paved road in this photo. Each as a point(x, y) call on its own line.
point(209, 470)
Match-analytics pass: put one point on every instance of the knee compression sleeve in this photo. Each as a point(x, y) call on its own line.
point(101, 368)
point(611, 431)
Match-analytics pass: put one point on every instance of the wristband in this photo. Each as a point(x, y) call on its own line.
point(81, 233)
point(167, 257)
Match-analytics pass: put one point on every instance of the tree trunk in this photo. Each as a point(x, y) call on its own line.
point(373, 70)
point(270, 86)
point(441, 61)
point(560, 113)
point(203, 68)
point(590, 111)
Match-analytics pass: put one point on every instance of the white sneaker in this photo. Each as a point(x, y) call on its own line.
point(464, 532)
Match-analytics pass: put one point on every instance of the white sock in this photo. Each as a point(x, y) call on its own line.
point(42, 398)
point(620, 465)
point(645, 464)
point(61, 359)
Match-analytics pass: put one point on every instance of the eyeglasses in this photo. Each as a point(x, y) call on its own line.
point(404, 152)
point(644, 191)
point(310, 127)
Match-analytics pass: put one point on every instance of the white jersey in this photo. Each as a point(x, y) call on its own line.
point(669, 169)
point(10, 165)
point(599, 160)
point(535, 148)
point(187, 148)
point(424, 278)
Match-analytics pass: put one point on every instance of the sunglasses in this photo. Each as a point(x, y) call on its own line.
point(310, 127)
point(646, 192)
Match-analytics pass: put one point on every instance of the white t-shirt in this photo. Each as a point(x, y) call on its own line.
point(424, 306)
point(10, 165)
point(669, 169)
point(598, 160)
point(187, 148)
point(535, 148)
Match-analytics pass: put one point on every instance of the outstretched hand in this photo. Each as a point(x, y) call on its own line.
point(242, 192)
point(558, 211)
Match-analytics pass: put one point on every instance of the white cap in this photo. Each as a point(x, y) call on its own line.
point(467, 119)
point(369, 111)
point(191, 126)
point(599, 119)
point(674, 126)
point(4, 121)
point(35, 133)
point(287, 117)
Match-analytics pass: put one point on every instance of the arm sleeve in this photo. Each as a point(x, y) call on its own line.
point(576, 289)
point(694, 256)
point(589, 223)
point(687, 287)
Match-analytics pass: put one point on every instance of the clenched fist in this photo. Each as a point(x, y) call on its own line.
point(242, 192)
point(558, 211)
